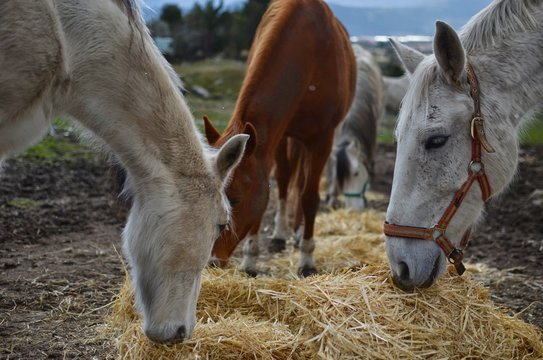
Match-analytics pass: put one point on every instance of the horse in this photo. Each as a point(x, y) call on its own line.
point(350, 166)
point(300, 83)
point(93, 62)
point(395, 89)
point(459, 126)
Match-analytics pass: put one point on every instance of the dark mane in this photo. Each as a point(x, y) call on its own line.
point(343, 167)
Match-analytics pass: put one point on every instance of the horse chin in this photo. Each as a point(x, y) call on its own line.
point(171, 334)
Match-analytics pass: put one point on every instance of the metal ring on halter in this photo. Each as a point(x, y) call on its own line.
point(437, 232)
point(476, 167)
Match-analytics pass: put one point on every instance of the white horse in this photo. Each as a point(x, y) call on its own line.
point(350, 166)
point(94, 62)
point(502, 46)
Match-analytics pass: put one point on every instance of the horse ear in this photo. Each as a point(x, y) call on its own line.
point(211, 133)
point(230, 154)
point(409, 57)
point(449, 51)
point(251, 143)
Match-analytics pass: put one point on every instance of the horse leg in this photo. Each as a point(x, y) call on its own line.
point(250, 252)
point(282, 175)
point(299, 184)
point(317, 155)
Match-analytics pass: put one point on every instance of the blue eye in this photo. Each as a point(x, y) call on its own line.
point(435, 142)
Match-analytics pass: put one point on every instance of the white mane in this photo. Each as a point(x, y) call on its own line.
point(496, 21)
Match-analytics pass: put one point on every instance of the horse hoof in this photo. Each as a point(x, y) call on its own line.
point(306, 272)
point(277, 245)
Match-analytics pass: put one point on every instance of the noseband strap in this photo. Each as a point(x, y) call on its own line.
point(475, 171)
point(359, 195)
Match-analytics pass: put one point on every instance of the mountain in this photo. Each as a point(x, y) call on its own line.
point(394, 17)
point(419, 20)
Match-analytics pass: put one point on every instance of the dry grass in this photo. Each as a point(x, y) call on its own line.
point(350, 311)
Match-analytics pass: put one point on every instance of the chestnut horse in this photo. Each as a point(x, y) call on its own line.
point(300, 83)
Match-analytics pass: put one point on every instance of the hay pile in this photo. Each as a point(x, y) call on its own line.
point(351, 311)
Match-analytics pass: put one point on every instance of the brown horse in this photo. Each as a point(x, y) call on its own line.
point(300, 83)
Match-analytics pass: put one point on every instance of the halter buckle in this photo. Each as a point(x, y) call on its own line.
point(455, 258)
point(478, 133)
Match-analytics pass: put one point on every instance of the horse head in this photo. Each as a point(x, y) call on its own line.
point(246, 193)
point(352, 172)
point(434, 149)
point(169, 236)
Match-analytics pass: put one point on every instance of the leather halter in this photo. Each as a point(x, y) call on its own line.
point(476, 172)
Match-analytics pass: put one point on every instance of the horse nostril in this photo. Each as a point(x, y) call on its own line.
point(181, 332)
point(404, 272)
point(402, 279)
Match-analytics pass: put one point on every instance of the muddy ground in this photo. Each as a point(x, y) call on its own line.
point(60, 245)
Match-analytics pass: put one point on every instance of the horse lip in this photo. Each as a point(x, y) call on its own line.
point(405, 287)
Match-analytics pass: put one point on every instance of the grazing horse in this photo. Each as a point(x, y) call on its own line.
point(95, 63)
point(350, 167)
point(300, 83)
point(457, 134)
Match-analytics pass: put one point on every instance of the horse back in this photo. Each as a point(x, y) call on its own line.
point(301, 71)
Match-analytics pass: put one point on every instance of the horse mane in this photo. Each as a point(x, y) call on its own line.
point(265, 42)
point(496, 21)
point(130, 7)
point(266, 37)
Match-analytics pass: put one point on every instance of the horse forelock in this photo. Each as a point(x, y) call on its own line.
point(498, 20)
point(343, 166)
point(417, 92)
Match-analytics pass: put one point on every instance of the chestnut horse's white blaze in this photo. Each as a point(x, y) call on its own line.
point(351, 163)
point(94, 62)
point(503, 43)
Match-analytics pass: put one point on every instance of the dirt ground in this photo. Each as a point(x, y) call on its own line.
point(60, 245)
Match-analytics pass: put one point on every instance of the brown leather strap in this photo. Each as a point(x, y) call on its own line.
point(474, 91)
point(411, 232)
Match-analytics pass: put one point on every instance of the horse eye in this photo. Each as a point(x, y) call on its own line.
point(222, 227)
point(233, 201)
point(435, 142)
point(356, 173)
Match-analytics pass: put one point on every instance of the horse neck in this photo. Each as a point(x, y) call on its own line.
point(511, 75)
point(125, 93)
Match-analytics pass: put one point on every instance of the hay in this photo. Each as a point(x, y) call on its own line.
point(351, 311)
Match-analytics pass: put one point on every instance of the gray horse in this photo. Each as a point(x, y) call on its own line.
point(350, 166)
